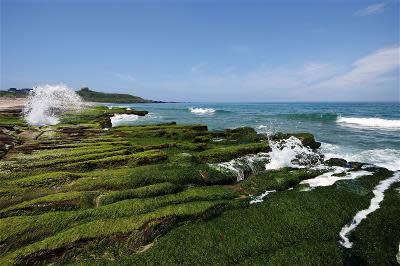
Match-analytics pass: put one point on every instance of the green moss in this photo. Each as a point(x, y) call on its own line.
point(228, 153)
point(277, 179)
point(180, 174)
point(127, 186)
point(141, 158)
point(59, 201)
point(142, 192)
point(243, 135)
point(28, 229)
point(376, 239)
point(48, 179)
point(286, 228)
point(107, 228)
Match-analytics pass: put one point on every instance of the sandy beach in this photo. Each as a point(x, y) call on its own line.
point(11, 103)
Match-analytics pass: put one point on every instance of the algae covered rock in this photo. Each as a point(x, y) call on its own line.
point(307, 139)
point(336, 162)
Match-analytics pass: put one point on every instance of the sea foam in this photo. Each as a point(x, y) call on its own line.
point(120, 119)
point(374, 205)
point(290, 153)
point(388, 158)
point(245, 165)
point(330, 178)
point(202, 111)
point(370, 122)
point(45, 104)
point(261, 197)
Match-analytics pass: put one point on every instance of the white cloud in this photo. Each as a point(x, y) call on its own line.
point(371, 10)
point(366, 71)
point(371, 77)
point(125, 77)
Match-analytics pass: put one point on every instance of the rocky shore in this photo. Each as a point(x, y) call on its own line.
point(85, 192)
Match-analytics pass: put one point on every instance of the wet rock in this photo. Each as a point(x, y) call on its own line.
point(356, 166)
point(105, 122)
point(306, 139)
point(336, 162)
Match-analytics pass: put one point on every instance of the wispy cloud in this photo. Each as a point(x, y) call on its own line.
point(125, 77)
point(363, 79)
point(371, 10)
point(367, 70)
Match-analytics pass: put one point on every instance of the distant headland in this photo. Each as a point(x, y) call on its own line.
point(86, 94)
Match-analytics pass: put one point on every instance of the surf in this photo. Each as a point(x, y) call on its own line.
point(202, 111)
point(291, 153)
point(369, 122)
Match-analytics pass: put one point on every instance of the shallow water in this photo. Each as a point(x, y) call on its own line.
point(368, 132)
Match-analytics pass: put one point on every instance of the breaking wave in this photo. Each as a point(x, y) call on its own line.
point(129, 119)
point(388, 158)
point(120, 119)
point(244, 166)
point(291, 153)
point(46, 103)
point(370, 122)
point(202, 111)
point(374, 205)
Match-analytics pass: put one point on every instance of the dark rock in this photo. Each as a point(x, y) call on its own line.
point(306, 139)
point(356, 165)
point(336, 162)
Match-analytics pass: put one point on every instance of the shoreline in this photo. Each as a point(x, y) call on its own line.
point(12, 103)
point(7, 103)
point(19, 103)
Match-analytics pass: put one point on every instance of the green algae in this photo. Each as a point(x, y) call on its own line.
point(75, 193)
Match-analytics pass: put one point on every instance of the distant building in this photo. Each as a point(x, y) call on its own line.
point(23, 90)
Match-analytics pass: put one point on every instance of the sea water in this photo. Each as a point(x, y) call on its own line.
point(366, 132)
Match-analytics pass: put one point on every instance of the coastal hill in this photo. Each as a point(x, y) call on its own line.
point(94, 96)
point(87, 95)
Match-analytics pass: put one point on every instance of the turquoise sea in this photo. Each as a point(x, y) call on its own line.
point(367, 132)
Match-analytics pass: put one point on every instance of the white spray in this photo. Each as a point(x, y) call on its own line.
point(245, 165)
point(290, 153)
point(46, 103)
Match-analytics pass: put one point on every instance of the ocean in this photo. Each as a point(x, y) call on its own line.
point(365, 132)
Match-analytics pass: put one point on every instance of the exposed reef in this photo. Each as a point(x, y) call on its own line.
point(85, 192)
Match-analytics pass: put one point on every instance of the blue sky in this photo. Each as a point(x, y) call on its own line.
point(206, 50)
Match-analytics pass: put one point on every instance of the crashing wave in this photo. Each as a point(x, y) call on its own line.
point(370, 122)
point(291, 153)
point(387, 158)
point(120, 119)
point(129, 119)
point(244, 166)
point(202, 111)
point(374, 205)
point(46, 103)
